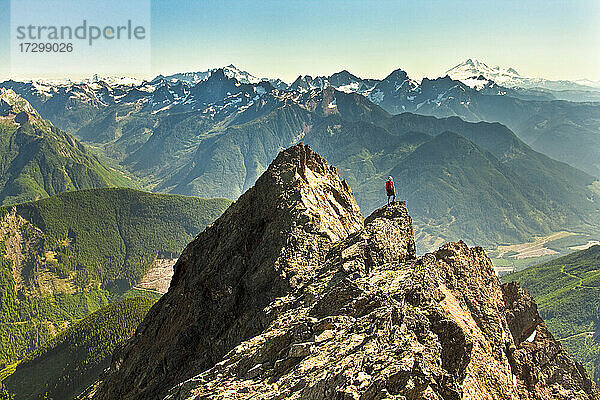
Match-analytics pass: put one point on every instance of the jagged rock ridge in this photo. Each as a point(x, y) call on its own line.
point(271, 240)
point(291, 294)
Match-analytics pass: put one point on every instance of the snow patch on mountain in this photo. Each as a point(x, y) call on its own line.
point(469, 71)
point(476, 83)
point(587, 82)
point(231, 72)
point(376, 96)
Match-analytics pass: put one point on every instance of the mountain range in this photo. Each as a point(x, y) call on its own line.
point(292, 275)
point(214, 138)
point(564, 130)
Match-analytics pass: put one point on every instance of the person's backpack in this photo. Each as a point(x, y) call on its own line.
point(389, 185)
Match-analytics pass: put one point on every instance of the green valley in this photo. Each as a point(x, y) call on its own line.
point(69, 255)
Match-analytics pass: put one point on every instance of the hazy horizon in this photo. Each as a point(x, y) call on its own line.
point(556, 40)
point(417, 76)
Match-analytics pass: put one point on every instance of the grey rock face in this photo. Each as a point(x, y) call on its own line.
point(267, 243)
point(543, 368)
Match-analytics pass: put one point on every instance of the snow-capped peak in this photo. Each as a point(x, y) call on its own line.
point(587, 82)
point(471, 69)
point(512, 71)
point(231, 72)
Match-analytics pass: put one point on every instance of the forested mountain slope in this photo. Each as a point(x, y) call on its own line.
point(38, 160)
point(67, 256)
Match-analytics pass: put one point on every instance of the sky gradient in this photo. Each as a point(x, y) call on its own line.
point(546, 38)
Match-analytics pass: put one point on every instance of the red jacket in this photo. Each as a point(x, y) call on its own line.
point(389, 185)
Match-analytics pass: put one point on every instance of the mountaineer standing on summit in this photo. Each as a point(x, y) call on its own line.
point(389, 188)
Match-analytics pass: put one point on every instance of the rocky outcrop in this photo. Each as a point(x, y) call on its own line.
point(23, 246)
point(270, 241)
point(291, 295)
point(542, 366)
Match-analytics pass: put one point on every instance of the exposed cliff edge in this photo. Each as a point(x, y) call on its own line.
point(292, 294)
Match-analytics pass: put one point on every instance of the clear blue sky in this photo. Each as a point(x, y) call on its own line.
point(284, 38)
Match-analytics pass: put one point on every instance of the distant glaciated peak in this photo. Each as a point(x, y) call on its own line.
point(512, 71)
point(509, 77)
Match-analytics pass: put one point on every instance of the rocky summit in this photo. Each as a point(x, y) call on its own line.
point(292, 294)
